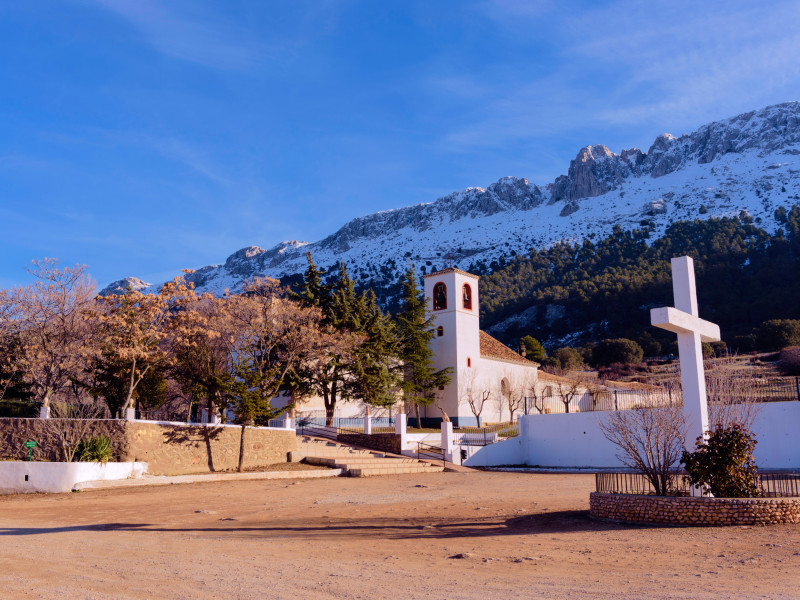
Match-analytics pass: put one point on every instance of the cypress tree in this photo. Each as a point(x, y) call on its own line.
point(415, 327)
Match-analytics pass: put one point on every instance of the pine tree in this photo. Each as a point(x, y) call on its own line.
point(365, 374)
point(415, 327)
point(375, 377)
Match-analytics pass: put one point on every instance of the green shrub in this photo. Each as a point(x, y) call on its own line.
point(620, 350)
point(96, 449)
point(568, 358)
point(724, 463)
point(790, 361)
point(778, 333)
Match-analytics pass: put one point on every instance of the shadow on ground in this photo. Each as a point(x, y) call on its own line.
point(574, 521)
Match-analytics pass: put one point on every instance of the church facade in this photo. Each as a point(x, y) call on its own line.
point(489, 382)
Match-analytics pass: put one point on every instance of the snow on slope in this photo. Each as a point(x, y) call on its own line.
point(750, 163)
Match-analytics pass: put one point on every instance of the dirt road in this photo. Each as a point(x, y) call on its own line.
point(519, 535)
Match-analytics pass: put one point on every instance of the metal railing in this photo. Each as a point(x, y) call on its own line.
point(430, 452)
point(483, 436)
point(772, 484)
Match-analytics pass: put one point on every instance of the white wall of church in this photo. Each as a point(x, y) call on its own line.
point(459, 348)
point(487, 375)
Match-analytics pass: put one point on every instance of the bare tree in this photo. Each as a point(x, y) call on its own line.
point(538, 394)
point(50, 328)
point(515, 394)
point(650, 440)
point(568, 390)
point(270, 336)
point(70, 423)
point(471, 393)
point(731, 400)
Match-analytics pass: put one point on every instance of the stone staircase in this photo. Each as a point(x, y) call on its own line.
point(357, 463)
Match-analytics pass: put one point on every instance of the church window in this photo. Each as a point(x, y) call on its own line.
point(548, 391)
point(439, 331)
point(439, 296)
point(469, 361)
point(467, 295)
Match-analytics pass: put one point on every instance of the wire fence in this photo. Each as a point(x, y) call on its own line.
point(771, 484)
point(727, 390)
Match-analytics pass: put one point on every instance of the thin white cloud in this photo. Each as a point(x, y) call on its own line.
point(652, 66)
point(184, 32)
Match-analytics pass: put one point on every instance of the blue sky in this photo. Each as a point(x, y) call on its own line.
point(141, 137)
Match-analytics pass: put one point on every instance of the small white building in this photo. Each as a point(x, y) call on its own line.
point(487, 377)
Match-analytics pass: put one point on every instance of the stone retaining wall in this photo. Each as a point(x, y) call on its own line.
point(382, 442)
point(185, 449)
point(677, 510)
point(169, 448)
point(47, 432)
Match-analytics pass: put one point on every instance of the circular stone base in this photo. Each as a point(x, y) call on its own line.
point(680, 510)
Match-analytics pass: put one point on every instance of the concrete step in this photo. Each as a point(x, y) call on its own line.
point(344, 462)
point(393, 470)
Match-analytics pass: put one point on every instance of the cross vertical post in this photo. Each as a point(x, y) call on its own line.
point(692, 332)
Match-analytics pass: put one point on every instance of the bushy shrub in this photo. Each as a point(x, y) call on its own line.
point(620, 350)
point(790, 361)
point(720, 348)
point(568, 358)
point(778, 333)
point(533, 348)
point(724, 463)
point(650, 345)
point(95, 449)
point(744, 343)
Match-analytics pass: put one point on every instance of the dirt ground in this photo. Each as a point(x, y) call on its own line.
point(520, 535)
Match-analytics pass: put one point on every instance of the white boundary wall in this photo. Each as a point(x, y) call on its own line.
point(574, 440)
point(23, 477)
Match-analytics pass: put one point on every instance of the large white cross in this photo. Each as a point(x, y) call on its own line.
point(692, 332)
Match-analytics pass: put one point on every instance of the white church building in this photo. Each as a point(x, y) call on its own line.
point(487, 376)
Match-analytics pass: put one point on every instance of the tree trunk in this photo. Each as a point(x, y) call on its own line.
point(330, 404)
point(241, 448)
point(48, 393)
point(419, 419)
point(126, 405)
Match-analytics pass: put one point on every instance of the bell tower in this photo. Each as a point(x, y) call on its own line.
point(453, 302)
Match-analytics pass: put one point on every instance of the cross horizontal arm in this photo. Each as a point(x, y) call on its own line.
point(677, 321)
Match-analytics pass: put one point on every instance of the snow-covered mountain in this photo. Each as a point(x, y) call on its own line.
point(750, 163)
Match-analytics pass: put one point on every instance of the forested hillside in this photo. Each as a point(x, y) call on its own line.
point(605, 288)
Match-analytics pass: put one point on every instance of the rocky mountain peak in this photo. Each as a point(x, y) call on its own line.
point(750, 162)
point(122, 286)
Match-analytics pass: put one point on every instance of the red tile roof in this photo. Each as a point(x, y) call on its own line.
point(450, 270)
point(492, 348)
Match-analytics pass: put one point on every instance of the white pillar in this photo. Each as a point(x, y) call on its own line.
point(216, 419)
point(447, 440)
point(400, 429)
point(288, 422)
point(368, 424)
point(204, 415)
point(44, 412)
point(130, 414)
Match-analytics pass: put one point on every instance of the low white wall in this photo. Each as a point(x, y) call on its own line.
point(20, 477)
point(777, 430)
point(507, 452)
point(566, 440)
point(575, 440)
